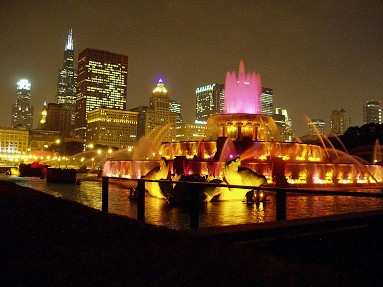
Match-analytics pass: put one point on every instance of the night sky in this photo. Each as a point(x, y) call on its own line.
point(317, 56)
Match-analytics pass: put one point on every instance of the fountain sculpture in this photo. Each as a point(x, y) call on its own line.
point(246, 151)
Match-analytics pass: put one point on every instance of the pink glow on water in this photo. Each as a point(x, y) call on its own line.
point(243, 95)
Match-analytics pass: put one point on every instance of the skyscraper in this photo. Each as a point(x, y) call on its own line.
point(372, 112)
point(340, 122)
point(58, 119)
point(22, 111)
point(176, 107)
point(141, 120)
point(209, 101)
point(157, 122)
point(267, 101)
point(159, 117)
point(102, 82)
point(316, 127)
point(66, 84)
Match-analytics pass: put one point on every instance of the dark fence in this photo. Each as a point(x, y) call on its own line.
point(194, 203)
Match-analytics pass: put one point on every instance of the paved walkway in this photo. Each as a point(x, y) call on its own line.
point(46, 241)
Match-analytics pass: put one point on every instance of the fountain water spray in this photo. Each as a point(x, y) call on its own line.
point(246, 87)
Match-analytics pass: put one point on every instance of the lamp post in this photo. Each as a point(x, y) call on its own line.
point(58, 141)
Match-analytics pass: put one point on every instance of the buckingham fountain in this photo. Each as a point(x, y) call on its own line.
point(245, 150)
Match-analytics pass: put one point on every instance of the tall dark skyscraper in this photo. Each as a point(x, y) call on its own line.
point(66, 84)
point(58, 119)
point(22, 111)
point(102, 82)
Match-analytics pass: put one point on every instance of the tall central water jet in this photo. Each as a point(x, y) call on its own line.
point(242, 117)
point(242, 95)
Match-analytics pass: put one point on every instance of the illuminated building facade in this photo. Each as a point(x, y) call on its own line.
point(209, 101)
point(112, 128)
point(372, 112)
point(102, 82)
point(14, 140)
point(284, 125)
point(316, 127)
point(340, 122)
point(175, 107)
point(191, 132)
point(267, 101)
point(66, 84)
point(157, 122)
point(22, 111)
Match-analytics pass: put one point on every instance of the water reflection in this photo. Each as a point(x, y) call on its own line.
point(158, 212)
point(315, 206)
point(86, 194)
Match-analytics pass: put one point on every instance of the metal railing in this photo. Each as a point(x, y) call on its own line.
point(194, 202)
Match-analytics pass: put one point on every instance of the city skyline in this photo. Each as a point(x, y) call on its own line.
point(316, 56)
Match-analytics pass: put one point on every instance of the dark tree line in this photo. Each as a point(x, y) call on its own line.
point(67, 148)
point(365, 135)
point(360, 141)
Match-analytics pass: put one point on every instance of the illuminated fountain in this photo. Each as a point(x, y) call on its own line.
point(251, 140)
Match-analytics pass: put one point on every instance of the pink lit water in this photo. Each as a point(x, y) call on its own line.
point(158, 212)
point(242, 94)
